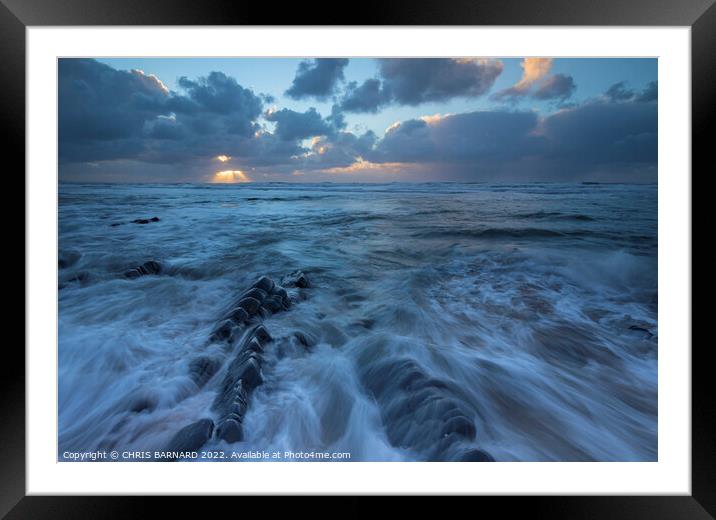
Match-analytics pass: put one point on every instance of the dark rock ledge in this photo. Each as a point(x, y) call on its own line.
point(241, 325)
point(137, 221)
point(145, 220)
point(420, 413)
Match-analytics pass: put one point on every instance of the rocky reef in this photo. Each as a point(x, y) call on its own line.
point(241, 331)
point(421, 414)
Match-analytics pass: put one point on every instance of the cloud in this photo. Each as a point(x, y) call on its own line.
point(317, 78)
point(101, 104)
point(621, 92)
point(292, 125)
point(339, 150)
point(558, 86)
point(537, 83)
point(413, 81)
point(367, 97)
point(108, 114)
point(116, 124)
point(599, 139)
point(533, 70)
point(481, 136)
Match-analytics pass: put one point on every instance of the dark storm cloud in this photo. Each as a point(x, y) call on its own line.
point(99, 103)
point(317, 78)
point(475, 136)
point(291, 125)
point(107, 114)
point(600, 133)
point(598, 136)
point(413, 81)
point(221, 94)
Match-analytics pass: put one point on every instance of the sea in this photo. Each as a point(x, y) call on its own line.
point(533, 307)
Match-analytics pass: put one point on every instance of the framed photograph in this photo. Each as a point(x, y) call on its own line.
point(444, 251)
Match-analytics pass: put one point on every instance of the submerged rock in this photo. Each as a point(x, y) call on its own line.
point(223, 332)
point(420, 413)
point(242, 376)
point(265, 283)
point(150, 267)
point(250, 305)
point(201, 369)
point(295, 279)
point(145, 220)
point(191, 437)
point(261, 300)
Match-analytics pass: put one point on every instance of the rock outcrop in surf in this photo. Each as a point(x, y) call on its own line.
point(190, 438)
point(241, 325)
point(145, 220)
point(242, 377)
point(420, 413)
point(261, 300)
point(150, 267)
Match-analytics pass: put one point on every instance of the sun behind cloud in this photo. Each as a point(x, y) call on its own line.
point(230, 177)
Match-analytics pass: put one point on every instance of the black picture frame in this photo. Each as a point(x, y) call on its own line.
point(699, 15)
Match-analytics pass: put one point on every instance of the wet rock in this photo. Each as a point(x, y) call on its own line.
point(191, 437)
point(295, 279)
point(201, 369)
point(238, 315)
point(420, 413)
point(222, 332)
point(261, 334)
point(255, 293)
point(476, 455)
point(230, 431)
point(147, 268)
point(242, 376)
point(264, 283)
point(250, 305)
point(243, 373)
point(280, 293)
point(141, 403)
point(273, 304)
point(145, 220)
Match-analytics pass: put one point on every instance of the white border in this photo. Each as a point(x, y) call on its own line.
point(670, 475)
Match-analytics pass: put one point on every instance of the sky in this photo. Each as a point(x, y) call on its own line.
point(235, 120)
